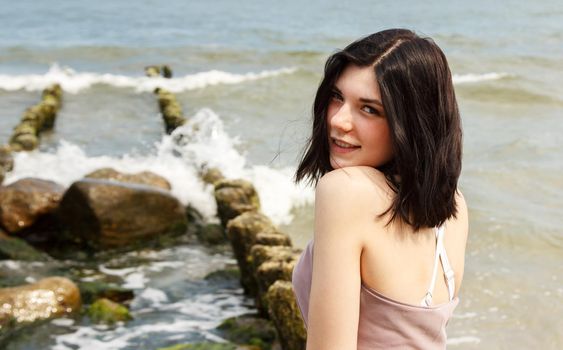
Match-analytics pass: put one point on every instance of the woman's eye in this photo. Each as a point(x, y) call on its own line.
point(370, 110)
point(336, 96)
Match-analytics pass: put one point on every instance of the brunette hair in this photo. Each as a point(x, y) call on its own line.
point(420, 106)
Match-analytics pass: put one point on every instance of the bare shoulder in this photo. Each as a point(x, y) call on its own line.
point(347, 201)
point(354, 184)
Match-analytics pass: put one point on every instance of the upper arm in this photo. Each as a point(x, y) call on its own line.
point(335, 290)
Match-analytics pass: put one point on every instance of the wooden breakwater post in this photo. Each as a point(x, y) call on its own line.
point(265, 257)
point(168, 103)
point(35, 119)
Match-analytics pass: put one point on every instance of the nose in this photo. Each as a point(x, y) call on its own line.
point(342, 119)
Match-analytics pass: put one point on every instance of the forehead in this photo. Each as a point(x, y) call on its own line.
point(359, 82)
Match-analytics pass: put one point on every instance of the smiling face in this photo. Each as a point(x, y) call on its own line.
point(356, 122)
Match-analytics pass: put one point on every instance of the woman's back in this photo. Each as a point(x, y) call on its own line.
point(396, 267)
point(398, 262)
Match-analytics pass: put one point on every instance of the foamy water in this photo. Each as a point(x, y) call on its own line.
point(74, 82)
point(179, 158)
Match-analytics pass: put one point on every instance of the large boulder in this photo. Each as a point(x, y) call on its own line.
point(107, 214)
point(286, 316)
point(24, 201)
point(143, 178)
point(235, 197)
point(49, 298)
point(242, 232)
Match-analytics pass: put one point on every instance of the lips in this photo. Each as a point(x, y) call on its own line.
point(340, 146)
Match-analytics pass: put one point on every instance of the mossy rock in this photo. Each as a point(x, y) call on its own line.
point(248, 329)
point(211, 176)
point(286, 316)
point(235, 197)
point(152, 71)
point(91, 291)
point(212, 234)
point(223, 275)
point(25, 142)
point(242, 232)
point(14, 248)
point(273, 239)
point(108, 312)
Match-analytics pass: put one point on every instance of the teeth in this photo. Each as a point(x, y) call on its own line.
point(343, 144)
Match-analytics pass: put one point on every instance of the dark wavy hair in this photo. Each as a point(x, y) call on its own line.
point(420, 106)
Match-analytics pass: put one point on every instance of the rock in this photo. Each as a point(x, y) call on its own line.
point(24, 142)
point(107, 214)
point(152, 71)
point(248, 329)
point(262, 253)
point(2, 175)
point(12, 248)
point(273, 239)
point(224, 274)
point(108, 312)
point(235, 197)
point(211, 176)
point(286, 316)
point(166, 71)
point(170, 109)
point(270, 263)
point(91, 291)
point(266, 275)
point(49, 298)
point(143, 178)
point(242, 232)
point(211, 234)
point(24, 201)
point(6, 159)
point(36, 119)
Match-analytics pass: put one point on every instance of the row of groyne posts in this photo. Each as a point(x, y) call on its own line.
point(264, 255)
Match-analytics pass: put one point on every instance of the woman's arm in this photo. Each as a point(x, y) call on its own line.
point(335, 290)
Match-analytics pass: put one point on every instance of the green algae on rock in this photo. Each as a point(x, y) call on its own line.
point(108, 312)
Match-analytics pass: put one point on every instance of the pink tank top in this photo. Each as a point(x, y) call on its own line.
point(385, 323)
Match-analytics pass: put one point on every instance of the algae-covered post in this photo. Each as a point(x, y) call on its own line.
point(36, 119)
point(169, 106)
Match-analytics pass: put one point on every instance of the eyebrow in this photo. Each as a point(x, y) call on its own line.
point(362, 99)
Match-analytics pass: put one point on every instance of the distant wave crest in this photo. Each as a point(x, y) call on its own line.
point(74, 82)
point(475, 78)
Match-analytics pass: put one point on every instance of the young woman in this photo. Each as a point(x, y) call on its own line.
point(391, 225)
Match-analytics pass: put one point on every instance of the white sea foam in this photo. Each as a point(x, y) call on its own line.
point(462, 340)
point(75, 82)
point(178, 157)
point(475, 78)
point(153, 296)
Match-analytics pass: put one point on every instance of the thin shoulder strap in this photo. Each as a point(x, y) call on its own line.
point(441, 255)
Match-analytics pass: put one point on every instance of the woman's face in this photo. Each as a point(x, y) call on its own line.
point(357, 125)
